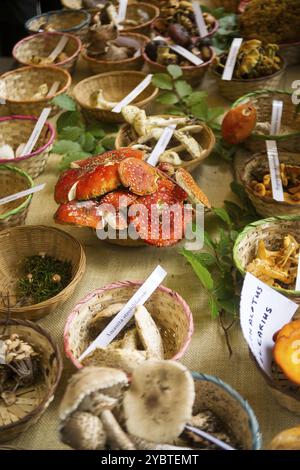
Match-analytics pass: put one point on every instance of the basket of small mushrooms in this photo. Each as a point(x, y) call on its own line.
point(191, 143)
point(162, 407)
point(66, 21)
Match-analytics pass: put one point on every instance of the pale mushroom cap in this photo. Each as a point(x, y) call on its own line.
point(289, 439)
point(159, 401)
point(86, 381)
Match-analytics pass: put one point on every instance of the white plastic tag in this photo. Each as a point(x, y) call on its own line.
point(274, 166)
point(133, 94)
point(186, 54)
point(53, 89)
point(59, 48)
point(19, 195)
point(36, 132)
point(122, 10)
point(2, 353)
point(199, 19)
point(277, 108)
point(161, 144)
point(231, 59)
point(297, 288)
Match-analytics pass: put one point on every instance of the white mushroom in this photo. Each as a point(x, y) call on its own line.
point(142, 444)
point(191, 144)
point(130, 340)
point(129, 113)
point(157, 121)
point(98, 100)
point(169, 156)
point(139, 122)
point(159, 402)
point(125, 359)
point(117, 438)
point(42, 92)
point(149, 333)
point(6, 151)
point(102, 317)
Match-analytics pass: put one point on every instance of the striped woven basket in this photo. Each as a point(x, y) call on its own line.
point(262, 100)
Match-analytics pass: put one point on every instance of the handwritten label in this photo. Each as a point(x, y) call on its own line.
point(26, 192)
point(122, 10)
point(277, 108)
point(263, 311)
point(127, 312)
point(133, 94)
point(199, 19)
point(231, 59)
point(2, 352)
point(59, 48)
point(36, 132)
point(274, 166)
point(161, 144)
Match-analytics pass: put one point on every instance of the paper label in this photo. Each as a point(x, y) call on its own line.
point(127, 312)
point(231, 59)
point(199, 19)
point(122, 10)
point(2, 352)
point(59, 48)
point(36, 132)
point(186, 54)
point(133, 94)
point(277, 107)
point(263, 311)
point(53, 89)
point(26, 192)
point(209, 437)
point(274, 166)
point(298, 275)
point(161, 144)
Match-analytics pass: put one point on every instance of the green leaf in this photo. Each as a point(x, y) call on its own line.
point(207, 259)
point(175, 71)
point(200, 110)
point(214, 113)
point(65, 101)
point(230, 305)
point(66, 146)
point(176, 111)
point(168, 97)
point(208, 241)
point(162, 81)
point(72, 157)
point(96, 130)
point(214, 307)
point(99, 149)
point(108, 142)
point(69, 119)
point(183, 88)
point(89, 142)
point(195, 98)
point(222, 214)
point(200, 270)
point(71, 133)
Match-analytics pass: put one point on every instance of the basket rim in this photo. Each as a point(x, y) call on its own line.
point(249, 228)
point(28, 199)
point(117, 285)
point(253, 422)
point(113, 74)
point(253, 80)
point(79, 272)
point(194, 38)
point(87, 58)
point(48, 14)
point(154, 9)
point(57, 70)
point(242, 99)
point(16, 117)
point(185, 68)
point(44, 34)
point(43, 331)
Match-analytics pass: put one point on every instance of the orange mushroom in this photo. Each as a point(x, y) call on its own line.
point(286, 351)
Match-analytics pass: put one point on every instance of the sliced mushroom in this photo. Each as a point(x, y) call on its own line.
point(190, 144)
point(149, 333)
point(130, 340)
point(169, 156)
point(116, 437)
point(188, 184)
point(142, 444)
point(83, 431)
point(125, 359)
point(103, 317)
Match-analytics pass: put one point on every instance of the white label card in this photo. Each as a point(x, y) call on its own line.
point(26, 192)
point(263, 311)
point(36, 132)
point(277, 107)
point(186, 54)
point(127, 312)
point(231, 59)
point(199, 19)
point(59, 48)
point(122, 10)
point(2, 352)
point(161, 144)
point(133, 94)
point(297, 288)
point(274, 166)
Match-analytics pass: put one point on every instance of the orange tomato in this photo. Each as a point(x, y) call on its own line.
point(286, 351)
point(238, 123)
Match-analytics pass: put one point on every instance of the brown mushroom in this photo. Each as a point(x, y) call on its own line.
point(83, 431)
point(289, 439)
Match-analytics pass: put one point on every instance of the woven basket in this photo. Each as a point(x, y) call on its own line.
point(193, 74)
point(13, 180)
point(20, 85)
point(20, 242)
point(272, 231)
point(31, 401)
point(290, 52)
point(64, 21)
point(206, 139)
point(157, 31)
point(115, 86)
point(15, 130)
point(235, 88)
point(143, 28)
point(42, 44)
point(168, 309)
point(102, 66)
point(72, 4)
point(262, 100)
point(228, 5)
point(267, 206)
point(213, 394)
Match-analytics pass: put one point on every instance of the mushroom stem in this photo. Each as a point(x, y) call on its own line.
point(116, 437)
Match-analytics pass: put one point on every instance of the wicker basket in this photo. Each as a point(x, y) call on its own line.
point(168, 308)
point(272, 231)
point(20, 86)
point(206, 139)
point(233, 89)
point(143, 28)
point(115, 86)
point(18, 243)
point(31, 402)
point(103, 66)
point(213, 394)
point(228, 5)
point(290, 52)
point(262, 100)
point(15, 130)
point(13, 180)
point(64, 21)
point(267, 206)
point(42, 44)
point(157, 31)
point(72, 4)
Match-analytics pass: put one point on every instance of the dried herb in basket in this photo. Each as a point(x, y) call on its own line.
point(44, 277)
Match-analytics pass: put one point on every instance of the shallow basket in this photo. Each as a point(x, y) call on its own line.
point(168, 308)
point(267, 206)
point(18, 243)
point(31, 401)
point(42, 44)
point(65, 21)
point(272, 231)
point(213, 394)
point(143, 28)
point(15, 130)
point(228, 5)
point(20, 85)
point(115, 86)
point(133, 63)
point(262, 100)
point(206, 139)
point(13, 180)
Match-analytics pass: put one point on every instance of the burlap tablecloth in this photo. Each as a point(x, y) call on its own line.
point(107, 263)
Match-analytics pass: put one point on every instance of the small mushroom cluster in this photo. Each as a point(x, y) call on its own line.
point(148, 129)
